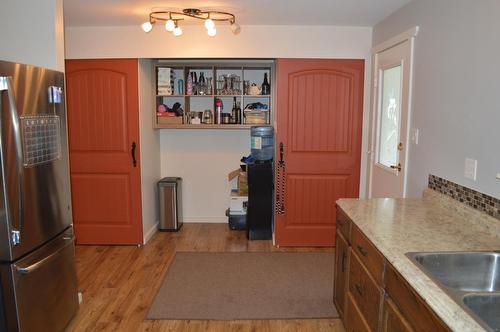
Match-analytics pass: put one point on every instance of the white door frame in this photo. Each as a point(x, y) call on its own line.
point(408, 35)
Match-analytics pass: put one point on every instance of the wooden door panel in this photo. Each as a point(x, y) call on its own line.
point(320, 116)
point(99, 111)
point(103, 122)
point(319, 113)
point(308, 202)
point(102, 206)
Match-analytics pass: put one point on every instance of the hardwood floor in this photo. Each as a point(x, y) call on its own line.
point(119, 282)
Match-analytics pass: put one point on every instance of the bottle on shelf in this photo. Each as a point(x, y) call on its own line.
point(202, 87)
point(266, 87)
point(189, 88)
point(233, 112)
point(238, 113)
point(195, 82)
point(218, 111)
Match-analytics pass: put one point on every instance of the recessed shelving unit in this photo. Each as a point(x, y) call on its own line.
point(225, 80)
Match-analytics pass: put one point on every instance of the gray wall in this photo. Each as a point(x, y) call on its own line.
point(32, 32)
point(456, 100)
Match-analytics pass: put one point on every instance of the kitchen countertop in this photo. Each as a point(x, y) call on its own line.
point(434, 222)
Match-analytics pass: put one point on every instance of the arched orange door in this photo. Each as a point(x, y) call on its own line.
point(103, 127)
point(319, 122)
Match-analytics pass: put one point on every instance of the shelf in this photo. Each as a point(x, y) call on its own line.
point(182, 96)
point(207, 126)
point(217, 96)
point(251, 70)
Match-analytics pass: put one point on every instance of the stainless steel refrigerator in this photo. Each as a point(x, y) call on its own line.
point(37, 259)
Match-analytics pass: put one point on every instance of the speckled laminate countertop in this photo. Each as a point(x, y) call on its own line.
point(432, 223)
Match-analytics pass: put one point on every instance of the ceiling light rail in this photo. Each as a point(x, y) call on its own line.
point(172, 18)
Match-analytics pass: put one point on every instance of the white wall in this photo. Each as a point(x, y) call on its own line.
point(32, 32)
point(252, 42)
point(455, 102)
point(150, 150)
point(204, 157)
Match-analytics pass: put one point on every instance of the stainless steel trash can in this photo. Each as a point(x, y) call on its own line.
point(170, 203)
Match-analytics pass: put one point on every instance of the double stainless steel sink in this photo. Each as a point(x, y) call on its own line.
point(472, 279)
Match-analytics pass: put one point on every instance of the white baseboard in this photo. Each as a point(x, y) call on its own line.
point(207, 220)
point(149, 234)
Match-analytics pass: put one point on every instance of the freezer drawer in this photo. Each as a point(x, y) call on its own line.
point(39, 292)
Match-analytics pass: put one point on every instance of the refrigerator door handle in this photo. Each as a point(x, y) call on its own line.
point(68, 240)
point(6, 86)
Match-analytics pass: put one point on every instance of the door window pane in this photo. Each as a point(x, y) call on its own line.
point(389, 115)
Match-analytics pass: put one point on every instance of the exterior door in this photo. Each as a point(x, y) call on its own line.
point(103, 121)
point(319, 114)
point(390, 119)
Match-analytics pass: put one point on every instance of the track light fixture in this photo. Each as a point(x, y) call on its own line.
point(172, 19)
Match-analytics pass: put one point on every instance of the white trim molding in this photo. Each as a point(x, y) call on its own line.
point(391, 42)
point(149, 234)
point(206, 220)
point(408, 35)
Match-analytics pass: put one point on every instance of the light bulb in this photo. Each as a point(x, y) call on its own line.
point(177, 31)
point(235, 28)
point(170, 25)
point(147, 26)
point(209, 24)
point(212, 32)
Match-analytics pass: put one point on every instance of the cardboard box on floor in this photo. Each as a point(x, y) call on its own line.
point(242, 185)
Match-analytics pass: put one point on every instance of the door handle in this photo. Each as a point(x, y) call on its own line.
point(132, 151)
point(398, 167)
point(6, 86)
point(362, 250)
point(281, 153)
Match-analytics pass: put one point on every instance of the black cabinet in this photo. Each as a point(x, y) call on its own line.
point(260, 210)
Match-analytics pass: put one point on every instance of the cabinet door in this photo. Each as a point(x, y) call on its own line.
point(340, 282)
point(365, 291)
point(393, 320)
point(354, 320)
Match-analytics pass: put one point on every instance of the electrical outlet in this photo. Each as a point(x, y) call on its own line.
point(470, 168)
point(414, 135)
point(498, 176)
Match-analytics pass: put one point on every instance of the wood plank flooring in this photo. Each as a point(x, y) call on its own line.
point(119, 282)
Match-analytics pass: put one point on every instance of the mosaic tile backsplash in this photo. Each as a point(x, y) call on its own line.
point(470, 197)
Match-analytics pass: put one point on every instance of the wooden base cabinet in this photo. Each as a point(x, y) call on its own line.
point(393, 320)
point(365, 291)
point(369, 293)
point(341, 264)
point(342, 257)
point(354, 321)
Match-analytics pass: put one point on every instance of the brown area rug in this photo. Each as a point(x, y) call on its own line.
point(232, 286)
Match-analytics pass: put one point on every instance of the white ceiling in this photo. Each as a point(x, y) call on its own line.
point(248, 12)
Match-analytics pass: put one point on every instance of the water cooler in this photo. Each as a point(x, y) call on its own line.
point(260, 212)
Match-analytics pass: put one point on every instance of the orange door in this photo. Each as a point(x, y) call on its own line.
point(103, 125)
point(319, 121)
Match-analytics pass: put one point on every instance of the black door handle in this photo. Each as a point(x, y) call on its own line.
point(132, 151)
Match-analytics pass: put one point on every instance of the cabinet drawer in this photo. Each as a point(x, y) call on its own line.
point(344, 225)
point(393, 320)
point(354, 321)
point(410, 304)
point(368, 254)
point(365, 291)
